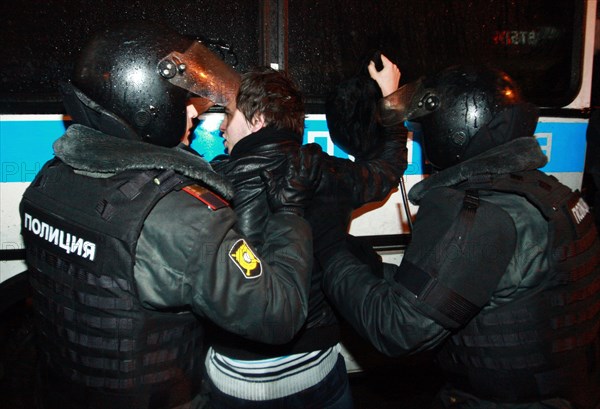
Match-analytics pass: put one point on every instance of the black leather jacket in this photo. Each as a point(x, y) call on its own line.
point(344, 183)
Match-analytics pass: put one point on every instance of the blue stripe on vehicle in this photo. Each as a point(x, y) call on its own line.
point(26, 145)
point(564, 144)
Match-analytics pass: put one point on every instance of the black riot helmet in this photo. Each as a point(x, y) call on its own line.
point(466, 110)
point(134, 81)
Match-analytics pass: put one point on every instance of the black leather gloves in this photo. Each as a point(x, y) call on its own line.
point(291, 185)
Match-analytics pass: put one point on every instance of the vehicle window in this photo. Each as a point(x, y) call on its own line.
point(537, 42)
point(41, 39)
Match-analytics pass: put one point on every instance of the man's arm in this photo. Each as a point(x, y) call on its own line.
point(377, 308)
point(199, 261)
point(191, 256)
point(447, 275)
point(384, 170)
point(371, 129)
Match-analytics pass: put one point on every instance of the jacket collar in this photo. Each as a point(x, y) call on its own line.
point(264, 139)
point(514, 156)
point(89, 150)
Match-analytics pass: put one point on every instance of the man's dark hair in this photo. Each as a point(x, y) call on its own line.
point(271, 93)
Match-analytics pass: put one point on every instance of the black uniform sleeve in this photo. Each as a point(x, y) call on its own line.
point(377, 308)
point(191, 257)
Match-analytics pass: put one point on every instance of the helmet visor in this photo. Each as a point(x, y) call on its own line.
point(403, 99)
point(416, 100)
point(202, 73)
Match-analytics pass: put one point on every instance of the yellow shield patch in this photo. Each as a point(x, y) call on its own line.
point(244, 258)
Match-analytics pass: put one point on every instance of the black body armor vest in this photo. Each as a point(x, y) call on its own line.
point(545, 343)
point(97, 344)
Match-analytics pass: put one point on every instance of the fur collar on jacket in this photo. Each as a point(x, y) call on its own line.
point(89, 150)
point(517, 155)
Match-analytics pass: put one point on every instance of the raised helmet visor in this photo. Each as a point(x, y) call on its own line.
point(201, 72)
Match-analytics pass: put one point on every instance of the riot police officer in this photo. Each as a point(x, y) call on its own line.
point(130, 241)
point(502, 275)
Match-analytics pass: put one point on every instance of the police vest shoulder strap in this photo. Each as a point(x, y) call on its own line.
point(543, 191)
point(453, 309)
point(161, 181)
